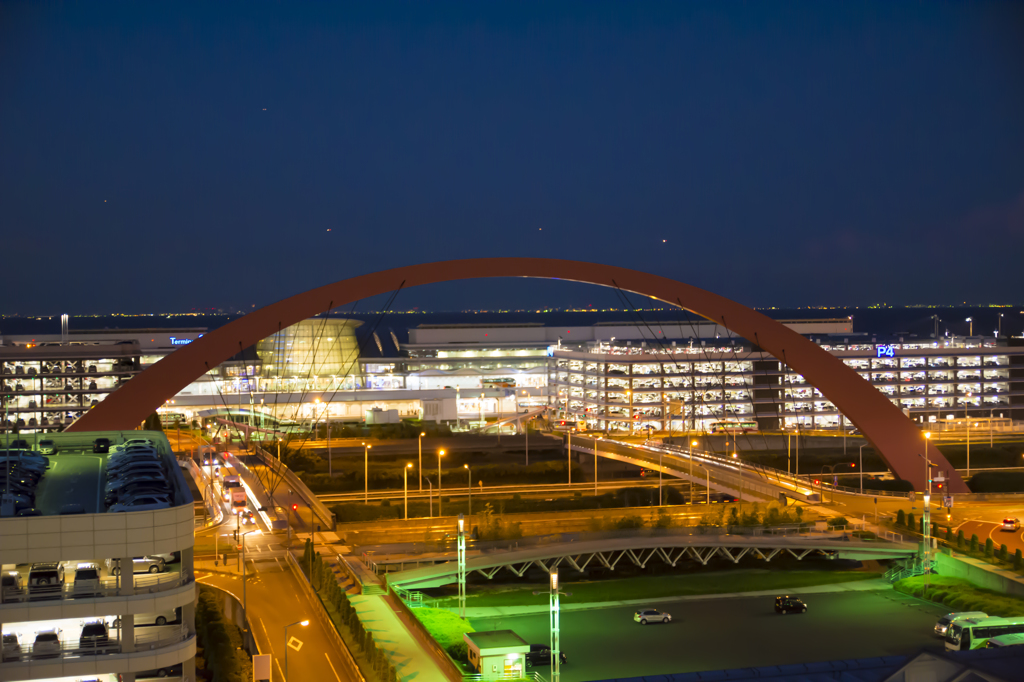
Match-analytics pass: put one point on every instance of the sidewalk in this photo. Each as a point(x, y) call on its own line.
point(492, 611)
point(411, 660)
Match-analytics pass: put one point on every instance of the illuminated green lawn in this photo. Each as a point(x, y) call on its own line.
point(659, 586)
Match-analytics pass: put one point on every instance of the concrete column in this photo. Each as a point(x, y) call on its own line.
point(126, 580)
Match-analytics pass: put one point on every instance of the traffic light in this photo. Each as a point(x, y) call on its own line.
point(939, 486)
point(295, 507)
point(817, 482)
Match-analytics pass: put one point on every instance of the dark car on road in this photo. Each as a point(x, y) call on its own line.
point(540, 654)
point(787, 604)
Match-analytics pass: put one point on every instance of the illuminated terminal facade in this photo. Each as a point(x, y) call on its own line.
point(613, 376)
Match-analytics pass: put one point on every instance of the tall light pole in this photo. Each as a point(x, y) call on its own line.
point(303, 623)
point(440, 454)
point(693, 444)
point(568, 463)
point(469, 487)
point(862, 468)
point(970, 320)
point(708, 473)
point(366, 473)
point(245, 602)
point(734, 456)
point(629, 395)
point(926, 517)
point(554, 612)
point(420, 470)
point(596, 442)
point(659, 478)
point(430, 498)
point(968, 447)
point(405, 489)
point(462, 567)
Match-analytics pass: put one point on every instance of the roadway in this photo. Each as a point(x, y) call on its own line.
point(737, 632)
point(275, 600)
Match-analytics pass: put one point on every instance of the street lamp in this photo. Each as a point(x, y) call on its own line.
point(862, 468)
point(693, 444)
point(926, 517)
point(440, 454)
point(734, 456)
point(832, 470)
point(596, 442)
point(462, 566)
point(244, 600)
point(568, 462)
point(420, 469)
point(554, 612)
point(970, 320)
point(405, 489)
point(366, 473)
point(303, 623)
point(708, 472)
point(469, 487)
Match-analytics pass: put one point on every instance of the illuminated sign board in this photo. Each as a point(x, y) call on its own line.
point(886, 351)
point(184, 342)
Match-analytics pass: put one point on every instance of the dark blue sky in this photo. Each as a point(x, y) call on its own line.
point(170, 156)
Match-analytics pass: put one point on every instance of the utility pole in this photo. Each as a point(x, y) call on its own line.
point(462, 567)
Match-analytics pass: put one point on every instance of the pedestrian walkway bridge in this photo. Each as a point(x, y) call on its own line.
point(641, 551)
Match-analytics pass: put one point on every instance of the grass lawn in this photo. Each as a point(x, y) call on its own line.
point(652, 587)
point(446, 627)
point(961, 595)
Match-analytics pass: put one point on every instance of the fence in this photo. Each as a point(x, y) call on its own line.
point(96, 646)
point(445, 662)
point(320, 511)
point(107, 587)
point(325, 620)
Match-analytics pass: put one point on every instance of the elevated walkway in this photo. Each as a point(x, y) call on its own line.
point(639, 551)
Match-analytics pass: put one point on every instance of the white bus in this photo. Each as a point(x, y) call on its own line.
point(974, 633)
point(733, 427)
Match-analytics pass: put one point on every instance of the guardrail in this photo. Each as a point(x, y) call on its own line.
point(445, 662)
point(325, 620)
point(65, 649)
point(148, 583)
point(532, 675)
point(766, 472)
point(325, 515)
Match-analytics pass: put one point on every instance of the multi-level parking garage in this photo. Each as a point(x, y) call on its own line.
point(69, 607)
point(622, 388)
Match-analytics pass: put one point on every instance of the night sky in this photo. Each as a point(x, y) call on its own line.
point(162, 157)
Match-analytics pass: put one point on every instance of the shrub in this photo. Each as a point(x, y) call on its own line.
point(459, 651)
point(988, 546)
point(1018, 559)
point(629, 522)
point(949, 534)
point(901, 518)
point(974, 543)
point(838, 521)
point(959, 539)
point(1003, 552)
point(911, 521)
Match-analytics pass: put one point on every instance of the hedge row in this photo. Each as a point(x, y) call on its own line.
point(221, 640)
point(344, 616)
point(961, 595)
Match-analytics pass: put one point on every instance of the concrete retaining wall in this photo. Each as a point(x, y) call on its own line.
point(981, 574)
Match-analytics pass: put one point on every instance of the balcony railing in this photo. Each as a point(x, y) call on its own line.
point(144, 584)
point(68, 649)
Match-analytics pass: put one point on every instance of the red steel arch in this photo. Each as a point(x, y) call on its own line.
point(892, 434)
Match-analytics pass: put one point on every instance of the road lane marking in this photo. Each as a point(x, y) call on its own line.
point(295, 643)
point(332, 666)
point(278, 661)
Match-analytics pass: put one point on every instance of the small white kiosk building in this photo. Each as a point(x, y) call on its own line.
point(497, 653)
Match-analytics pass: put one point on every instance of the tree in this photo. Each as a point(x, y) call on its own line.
point(152, 423)
point(974, 542)
point(911, 521)
point(1003, 552)
point(959, 539)
point(988, 546)
point(901, 518)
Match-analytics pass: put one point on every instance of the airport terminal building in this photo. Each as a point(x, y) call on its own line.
point(618, 377)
